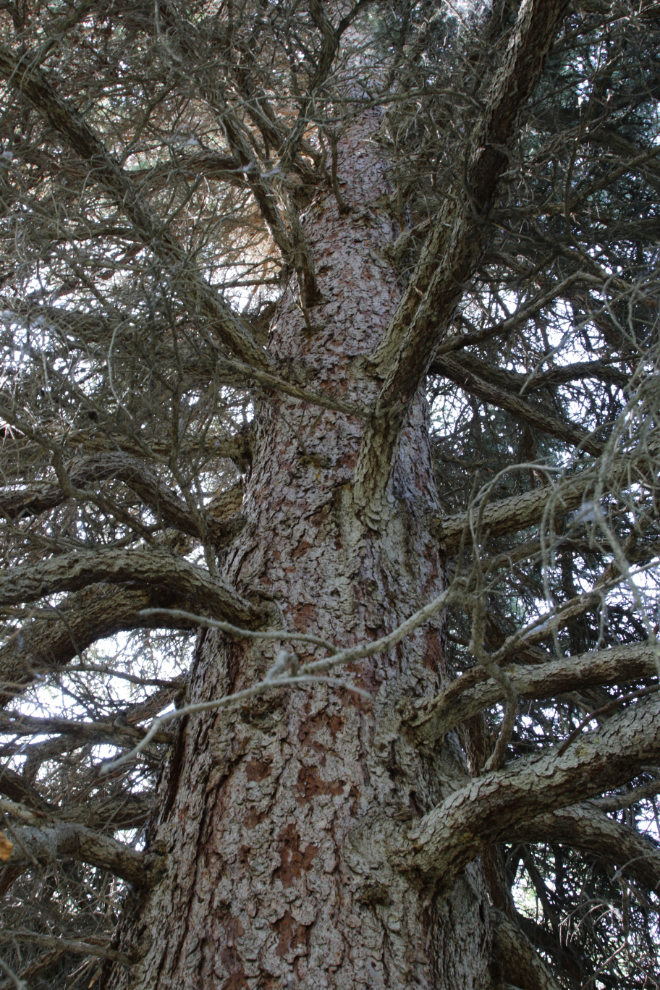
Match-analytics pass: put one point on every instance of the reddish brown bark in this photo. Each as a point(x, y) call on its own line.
point(278, 818)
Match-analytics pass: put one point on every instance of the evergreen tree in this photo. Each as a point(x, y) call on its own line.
point(330, 499)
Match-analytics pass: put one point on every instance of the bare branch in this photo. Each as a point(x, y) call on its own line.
point(66, 840)
point(230, 329)
point(101, 951)
point(113, 733)
point(74, 571)
point(82, 618)
point(163, 501)
point(490, 807)
point(615, 666)
point(584, 827)
point(458, 371)
point(451, 253)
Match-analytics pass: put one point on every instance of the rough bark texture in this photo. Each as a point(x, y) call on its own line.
point(517, 962)
point(279, 818)
point(615, 666)
point(77, 570)
point(491, 807)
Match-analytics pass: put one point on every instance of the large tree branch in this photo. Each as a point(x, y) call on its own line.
point(615, 666)
point(202, 298)
point(82, 618)
point(66, 840)
point(18, 789)
point(451, 253)
point(586, 828)
point(529, 309)
point(516, 960)
point(76, 570)
point(518, 512)
point(103, 467)
point(207, 163)
point(489, 808)
point(237, 448)
point(515, 382)
point(510, 515)
point(458, 371)
point(60, 946)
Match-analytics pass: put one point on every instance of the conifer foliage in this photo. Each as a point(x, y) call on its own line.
point(174, 178)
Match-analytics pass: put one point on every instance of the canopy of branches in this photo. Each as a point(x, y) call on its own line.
point(156, 162)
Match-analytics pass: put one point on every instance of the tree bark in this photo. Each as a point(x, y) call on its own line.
point(277, 818)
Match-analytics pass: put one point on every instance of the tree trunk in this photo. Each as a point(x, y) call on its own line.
point(279, 818)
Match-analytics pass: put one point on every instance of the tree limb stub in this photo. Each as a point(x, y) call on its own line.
point(487, 809)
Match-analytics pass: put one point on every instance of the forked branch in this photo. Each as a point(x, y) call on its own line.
point(230, 329)
point(491, 807)
point(451, 254)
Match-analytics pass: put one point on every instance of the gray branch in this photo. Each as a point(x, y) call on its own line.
point(76, 570)
point(516, 960)
point(230, 329)
point(66, 840)
point(615, 666)
point(586, 828)
point(82, 618)
point(451, 254)
point(489, 808)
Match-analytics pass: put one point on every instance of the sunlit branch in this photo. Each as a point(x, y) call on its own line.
point(38, 90)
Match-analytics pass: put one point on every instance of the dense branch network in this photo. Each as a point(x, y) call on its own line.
point(153, 185)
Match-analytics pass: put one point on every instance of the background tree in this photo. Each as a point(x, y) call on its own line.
point(330, 494)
